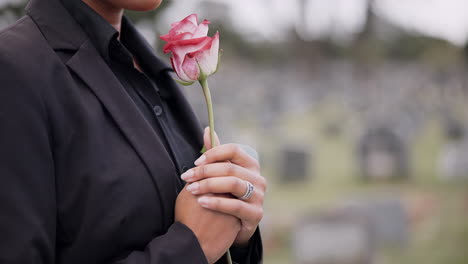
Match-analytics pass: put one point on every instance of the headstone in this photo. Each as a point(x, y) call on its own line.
point(453, 158)
point(294, 164)
point(339, 237)
point(382, 155)
point(387, 217)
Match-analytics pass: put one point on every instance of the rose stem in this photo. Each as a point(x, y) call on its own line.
point(228, 256)
point(209, 105)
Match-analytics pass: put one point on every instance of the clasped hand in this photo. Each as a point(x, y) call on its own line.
point(212, 192)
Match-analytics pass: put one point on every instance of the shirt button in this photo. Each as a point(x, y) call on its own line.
point(157, 110)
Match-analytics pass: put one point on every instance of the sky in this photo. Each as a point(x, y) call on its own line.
point(268, 19)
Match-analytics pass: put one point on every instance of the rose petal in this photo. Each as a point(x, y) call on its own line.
point(179, 50)
point(175, 24)
point(202, 30)
point(177, 65)
point(187, 25)
point(191, 68)
point(209, 56)
point(182, 36)
point(202, 49)
point(171, 46)
point(192, 18)
point(192, 50)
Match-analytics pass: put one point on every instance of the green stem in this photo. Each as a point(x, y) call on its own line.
point(209, 105)
point(228, 256)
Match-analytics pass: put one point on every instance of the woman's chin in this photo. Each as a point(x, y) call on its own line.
point(141, 5)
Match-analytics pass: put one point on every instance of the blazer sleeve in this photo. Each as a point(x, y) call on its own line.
point(250, 254)
point(27, 184)
point(178, 245)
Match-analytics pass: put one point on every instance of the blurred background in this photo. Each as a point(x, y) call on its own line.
point(358, 109)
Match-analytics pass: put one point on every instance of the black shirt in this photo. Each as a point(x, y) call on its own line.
point(119, 52)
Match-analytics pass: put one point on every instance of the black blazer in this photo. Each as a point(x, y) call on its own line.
point(83, 177)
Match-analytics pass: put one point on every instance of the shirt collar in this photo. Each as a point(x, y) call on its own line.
point(141, 49)
point(103, 35)
point(99, 31)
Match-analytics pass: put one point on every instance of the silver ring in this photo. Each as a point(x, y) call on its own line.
point(248, 192)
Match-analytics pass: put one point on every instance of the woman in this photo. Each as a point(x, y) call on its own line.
point(94, 140)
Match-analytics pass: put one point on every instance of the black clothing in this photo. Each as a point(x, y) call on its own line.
point(141, 88)
point(88, 174)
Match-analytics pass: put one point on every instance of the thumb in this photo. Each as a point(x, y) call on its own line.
point(207, 138)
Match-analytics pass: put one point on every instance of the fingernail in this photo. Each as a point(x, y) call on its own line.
point(206, 129)
point(200, 160)
point(194, 188)
point(203, 201)
point(187, 175)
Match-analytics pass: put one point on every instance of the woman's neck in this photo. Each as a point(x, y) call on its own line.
point(110, 13)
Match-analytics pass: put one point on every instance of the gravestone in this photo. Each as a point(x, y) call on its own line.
point(453, 158)
point(294, 164)
point(333, 237)
point(382, 155)
point(387, 218)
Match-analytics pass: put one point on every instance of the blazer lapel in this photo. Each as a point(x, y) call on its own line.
point(130, 121)
point(63, 33)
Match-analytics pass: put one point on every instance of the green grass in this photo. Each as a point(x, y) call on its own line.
point(440, 236)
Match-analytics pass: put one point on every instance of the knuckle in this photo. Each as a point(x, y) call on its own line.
point(204, 185)
point(262, 183)
point(230, 169)
point(201, 172)
point(256, 165)
point(211, 185)
point(238, 208)
point(239, 184)
point(260, 195)
point(250, 227)
point(197, 172)
point(216, 203)
point(234, 148)
point(259, 215)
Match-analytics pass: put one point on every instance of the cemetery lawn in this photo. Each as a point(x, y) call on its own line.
point(437, 210)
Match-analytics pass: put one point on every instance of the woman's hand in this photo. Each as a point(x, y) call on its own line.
point(225, 169)
point(215, 231)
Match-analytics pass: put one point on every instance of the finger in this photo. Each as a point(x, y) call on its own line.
point(220, 169)
point(251, 213)
point(228, 152)
point(224, 169)
point(232, 185)
point(207, 138)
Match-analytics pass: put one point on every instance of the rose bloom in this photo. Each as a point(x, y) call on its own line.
point(194, 55)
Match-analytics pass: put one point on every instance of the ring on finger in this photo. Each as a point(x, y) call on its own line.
point(248, 191)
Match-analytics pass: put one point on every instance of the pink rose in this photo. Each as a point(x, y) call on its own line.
point(195, 56)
